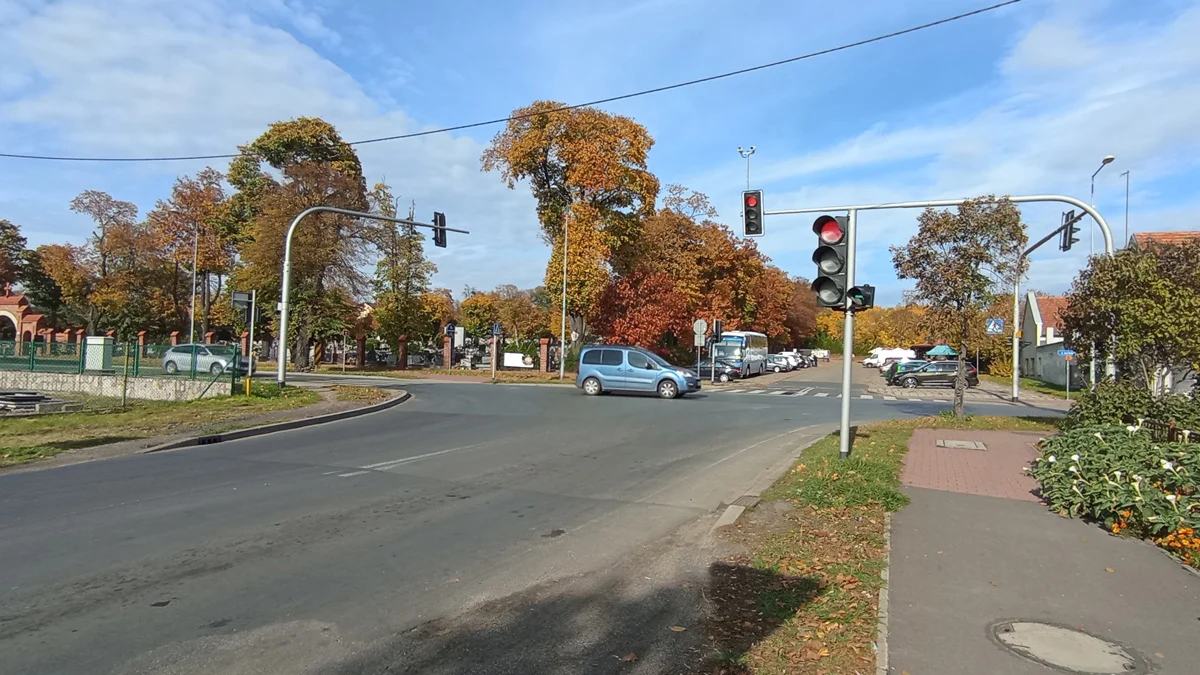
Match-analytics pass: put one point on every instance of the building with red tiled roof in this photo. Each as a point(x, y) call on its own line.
point(1142, 240)
point(1042, 337)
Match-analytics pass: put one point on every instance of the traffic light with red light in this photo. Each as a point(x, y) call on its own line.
point(752, 213)
point(830, 257)
point(439, 229)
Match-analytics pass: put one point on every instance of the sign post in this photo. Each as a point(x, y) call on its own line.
point(1068, 355)
point(247, 301)
point(700, 327)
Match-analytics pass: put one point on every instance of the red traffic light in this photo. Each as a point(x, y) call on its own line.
point(829, 230)
point(751, 199)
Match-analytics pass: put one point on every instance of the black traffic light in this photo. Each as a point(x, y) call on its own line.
point(716, 331)
point(830, 257)
point(439, 229)
point(752, 213)
point(861, 297)
point(1069, 230)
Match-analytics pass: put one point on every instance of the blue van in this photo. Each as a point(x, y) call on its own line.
point(614, 368)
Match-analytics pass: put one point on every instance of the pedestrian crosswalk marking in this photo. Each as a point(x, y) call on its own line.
point(867, 396)
point(889, 398)
point(820, 394)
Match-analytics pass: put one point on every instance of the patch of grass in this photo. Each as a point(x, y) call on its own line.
point(828, 555)
point(1028, 384)
point(25, 439)
point(365, 394)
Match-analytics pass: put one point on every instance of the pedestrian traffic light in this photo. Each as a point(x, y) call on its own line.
point(830, 257)
point(862, 297)
point(752, 213)
point(1069, 230)
point(439, 229)
point(716, 333)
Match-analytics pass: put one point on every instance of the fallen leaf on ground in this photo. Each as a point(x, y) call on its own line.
point(687, 584)
point(453, 581)
point(678, 629)
point(1108, 569)
point(630, 657)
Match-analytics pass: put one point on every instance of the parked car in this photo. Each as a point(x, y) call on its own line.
point(937, 372)
point(614, 368)
point(781, 363)
point(211, 359)
point(899, 367)
point(725, 370)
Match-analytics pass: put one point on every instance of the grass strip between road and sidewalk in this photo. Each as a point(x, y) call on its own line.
point(819, 536)
point(1028, 384)
point(30, 438)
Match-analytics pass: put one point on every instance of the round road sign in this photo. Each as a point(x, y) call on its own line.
point(700, 327)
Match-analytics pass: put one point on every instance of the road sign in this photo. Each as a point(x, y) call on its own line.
point(698, 341)
point(1066, 352)
point(995, 326)
point(241, 300)
point(700, 327)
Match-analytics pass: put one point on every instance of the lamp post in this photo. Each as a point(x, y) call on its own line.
point(1126, 174)
point(1091, 233)
point(746, 155)
point(562, 356)
point(195, 261)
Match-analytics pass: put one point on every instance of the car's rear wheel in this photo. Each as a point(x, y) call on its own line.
point(777, 369)
point(723, 377)
point(909, 382)
point(216, 369)
point(171, 367)
point(591, 386)
point(667, 389)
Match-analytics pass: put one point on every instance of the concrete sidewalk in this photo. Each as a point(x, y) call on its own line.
point(975, 547)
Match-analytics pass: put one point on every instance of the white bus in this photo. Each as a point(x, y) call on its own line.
point(746, 349)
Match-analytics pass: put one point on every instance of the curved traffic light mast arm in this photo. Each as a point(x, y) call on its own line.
point(280, 376)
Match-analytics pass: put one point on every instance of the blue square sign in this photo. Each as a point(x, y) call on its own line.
point(994, 326)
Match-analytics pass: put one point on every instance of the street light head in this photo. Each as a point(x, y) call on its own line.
point(1108, 160)
point(739, 149)
point(752, 148)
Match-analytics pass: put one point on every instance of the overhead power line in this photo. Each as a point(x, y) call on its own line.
point(501, 120)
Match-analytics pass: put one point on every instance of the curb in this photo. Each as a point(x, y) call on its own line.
point(277, 426)
point(881, 631)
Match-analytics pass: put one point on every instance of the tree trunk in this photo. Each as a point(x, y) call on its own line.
point(960, 378)
point(300, 348)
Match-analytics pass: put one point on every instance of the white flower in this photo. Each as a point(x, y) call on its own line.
point(1074, 469)
point(1131, 428)
point(1051, 459)
point(1117, 474)
point(1172, 498)
point(1097, 435)
point(1074, 458)
point(1167, 465)
point(1136, 478)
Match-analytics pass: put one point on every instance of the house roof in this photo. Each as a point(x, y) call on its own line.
point(1051, 307)
point(1142, 239)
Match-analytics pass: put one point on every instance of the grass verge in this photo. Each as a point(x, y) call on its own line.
point(27, 439)
point(1029, 385)
point(364, 394)
point(818, 539)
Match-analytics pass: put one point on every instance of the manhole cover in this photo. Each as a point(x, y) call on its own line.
point(1066, 649)
point(962, 445)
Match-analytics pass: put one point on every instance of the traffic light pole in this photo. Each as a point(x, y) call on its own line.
point(848, 332)
point(844, 440)
point(281, 370)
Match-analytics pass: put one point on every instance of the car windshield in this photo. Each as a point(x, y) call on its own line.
point(731, 352)
point(220, 350)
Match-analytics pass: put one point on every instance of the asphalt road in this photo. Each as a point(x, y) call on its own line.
point(299, 552)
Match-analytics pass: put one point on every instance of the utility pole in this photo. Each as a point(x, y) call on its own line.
point(1125, 242)
point(562, 329)
point(746, 155)
point(195, 260)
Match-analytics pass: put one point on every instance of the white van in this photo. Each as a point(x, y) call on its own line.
point(880, 357)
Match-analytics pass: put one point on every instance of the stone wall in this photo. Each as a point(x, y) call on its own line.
point(150, 388)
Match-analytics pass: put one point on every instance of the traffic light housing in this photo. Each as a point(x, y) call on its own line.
point(716, 331)
point(862, 297)
point(439, 229)
point(1070, 229)
point(752, 213)
point(830, 258)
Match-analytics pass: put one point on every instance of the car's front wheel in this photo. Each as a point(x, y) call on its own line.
point(777, 369)
point(216, 369)
point(910, 383)
point(667, 389)
point(171, 367)
point(591, 386)
point(723, 377)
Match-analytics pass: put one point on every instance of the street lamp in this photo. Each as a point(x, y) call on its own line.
point(1092, 232)
point(562, 330)
point(746, 156)
point(1126, 242)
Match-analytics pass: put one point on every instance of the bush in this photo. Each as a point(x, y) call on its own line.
point(1119, 402)
point(1117, 476)
point(1000, 367)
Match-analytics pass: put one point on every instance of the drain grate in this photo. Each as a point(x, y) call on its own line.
point(748, 501)
point(962, 445)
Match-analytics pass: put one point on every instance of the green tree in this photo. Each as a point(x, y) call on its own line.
point(1141, 306)
point(43, 293)
point(401, 275)
point(12, 249)
point(958, 260)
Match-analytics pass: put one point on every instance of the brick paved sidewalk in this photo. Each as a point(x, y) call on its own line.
point(995, 471)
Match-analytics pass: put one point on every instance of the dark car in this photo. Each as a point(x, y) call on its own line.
point(938, 372)
point(725, 371)
point(779, 364)
point(891, 375)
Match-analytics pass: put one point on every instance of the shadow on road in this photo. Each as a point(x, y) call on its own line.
point(623, 624)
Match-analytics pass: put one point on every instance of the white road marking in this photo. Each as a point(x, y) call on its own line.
point(329, 473)
point(821, 394)
point(734, 391)
point(775, 393)
point(867, 396)
point(352, 473)
point(804, 391)
point(395, 462)
point(889, 398)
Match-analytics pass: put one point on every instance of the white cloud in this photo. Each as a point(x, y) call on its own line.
point(194, 78)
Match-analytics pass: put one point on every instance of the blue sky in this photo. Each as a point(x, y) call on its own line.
point(1023, 100)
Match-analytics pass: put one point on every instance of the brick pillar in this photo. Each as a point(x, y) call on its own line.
point(208, 337)
point(402, 353)
point(544, 354)
point(80, 334)
point(174, 338)
point(111, 333)
point(447, 351)
point(141, 343)
point(246, 344)
point(48, 338)
point(362, 350)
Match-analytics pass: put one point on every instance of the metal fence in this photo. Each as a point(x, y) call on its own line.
point(121, 368)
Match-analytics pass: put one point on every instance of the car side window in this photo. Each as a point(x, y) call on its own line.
point(948, 367)
point(637, 360)
point(592, 356)
point(611, 357)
